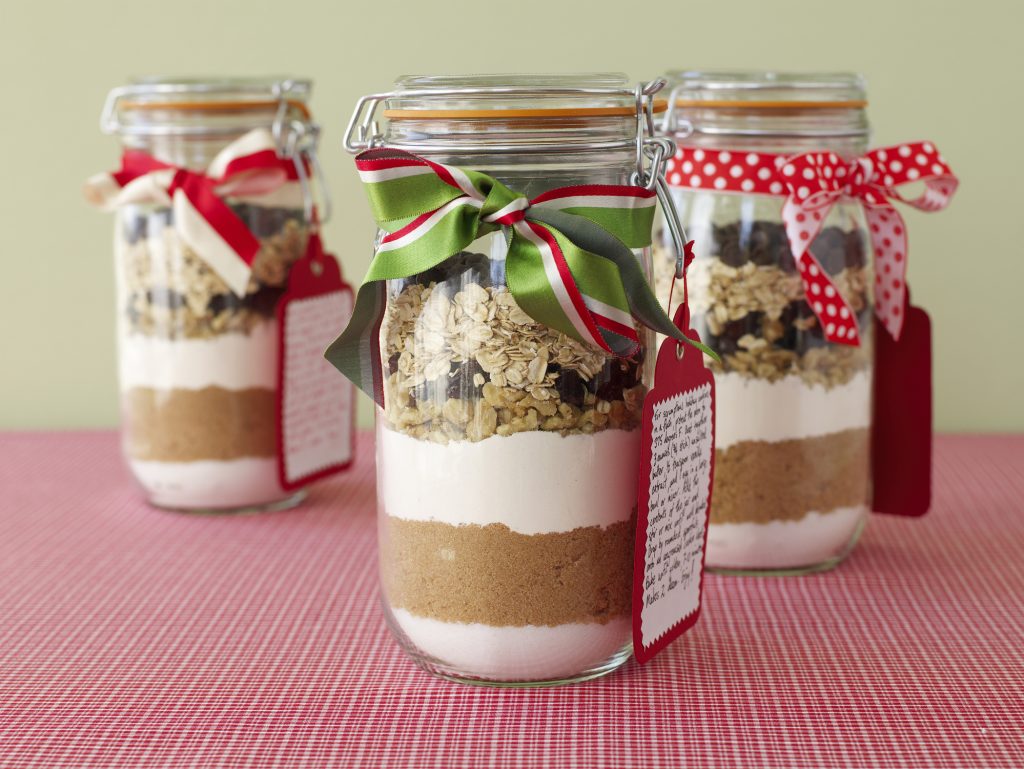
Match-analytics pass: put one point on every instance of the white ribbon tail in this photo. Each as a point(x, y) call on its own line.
point(202, 238)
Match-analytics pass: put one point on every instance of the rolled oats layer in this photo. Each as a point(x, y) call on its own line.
point(169, 291)
point(464, 362)
point(748, 303)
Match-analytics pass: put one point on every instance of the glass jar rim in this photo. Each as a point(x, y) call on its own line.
point(512, 96)
point(767, 89)
point(514, 114)
point(756, 104)
point(150, 105)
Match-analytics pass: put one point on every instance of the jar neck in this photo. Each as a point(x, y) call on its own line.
point(529, 156)
point(520, 136)
point(186, 122)
point(758, 110)
point(193, 139)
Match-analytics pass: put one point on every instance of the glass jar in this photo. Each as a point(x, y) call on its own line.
point(507, 452)
point(792, 482)
point(198, 358)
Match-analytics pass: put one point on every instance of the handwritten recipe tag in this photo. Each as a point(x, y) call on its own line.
point(316, 408)
point(676, 472)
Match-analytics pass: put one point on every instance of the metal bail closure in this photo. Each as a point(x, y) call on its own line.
point(651, 153)
point(298, 140)
point(651, 150)
point(364, 132)
point(675, 227)
point(670, 124)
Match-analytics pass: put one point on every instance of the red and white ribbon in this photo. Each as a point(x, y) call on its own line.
point(248, 167)
point(811, 184)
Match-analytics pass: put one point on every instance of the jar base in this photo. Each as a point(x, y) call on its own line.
point(511, 657)
point(609, 666)
point(794, 571)
point(289, 502)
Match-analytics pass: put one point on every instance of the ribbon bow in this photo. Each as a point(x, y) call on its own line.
point(249, 166)
point(570, 263)
point(812, 184)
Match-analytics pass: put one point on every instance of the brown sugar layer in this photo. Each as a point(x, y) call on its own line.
point(180, 425)
point(495, 576)
point(758, 482)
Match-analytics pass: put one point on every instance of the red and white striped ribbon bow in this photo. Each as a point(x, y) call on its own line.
point(248, 167)
point(814, 182)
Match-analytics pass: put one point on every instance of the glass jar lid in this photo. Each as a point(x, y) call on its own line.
point(510, 96)
point(764, 103)
point(162, 106)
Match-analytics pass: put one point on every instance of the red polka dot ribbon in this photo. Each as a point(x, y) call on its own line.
point(811, 184)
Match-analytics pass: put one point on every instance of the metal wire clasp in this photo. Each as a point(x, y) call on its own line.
point(363, 131)
point(652, 152)
point(301, 147)
point(298, 140)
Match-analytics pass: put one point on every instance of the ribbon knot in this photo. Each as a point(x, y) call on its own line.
point(817, 181)
point(502, 206)
point(249, 166)
point(570, 262)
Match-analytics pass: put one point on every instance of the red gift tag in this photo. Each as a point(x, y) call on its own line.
point(901, 433)
point(677, 461)
point(315, 407)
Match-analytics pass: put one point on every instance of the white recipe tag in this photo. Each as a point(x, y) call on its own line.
point(316, 408)
point(676, 471)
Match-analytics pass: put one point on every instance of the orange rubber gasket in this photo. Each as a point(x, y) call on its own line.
point(213, 106)
point(731, 104)
point(660, 105)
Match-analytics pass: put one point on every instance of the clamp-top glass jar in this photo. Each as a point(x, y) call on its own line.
point(507, 451)
point(213, 171)
point(792, 481)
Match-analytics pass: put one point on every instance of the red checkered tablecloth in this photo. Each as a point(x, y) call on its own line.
point(132, 637)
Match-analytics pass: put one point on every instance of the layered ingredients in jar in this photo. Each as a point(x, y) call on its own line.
point(198, 363)
point(792, 472)
point(508, 460)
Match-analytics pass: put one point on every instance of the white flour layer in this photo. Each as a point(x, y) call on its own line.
point(758, 410)
point(507, 653)
point(210, 484)
point(533, 482)
point(811, 540)
point(232, 361)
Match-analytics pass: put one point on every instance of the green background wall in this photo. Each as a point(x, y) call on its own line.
point(946, 71)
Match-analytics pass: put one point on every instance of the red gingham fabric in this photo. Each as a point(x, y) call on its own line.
point(132, 637)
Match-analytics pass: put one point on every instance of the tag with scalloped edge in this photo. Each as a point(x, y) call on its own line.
point(677, 461)
point(901, 429)
point(315, 407)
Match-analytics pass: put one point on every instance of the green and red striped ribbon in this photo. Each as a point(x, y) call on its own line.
point(570, 262)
